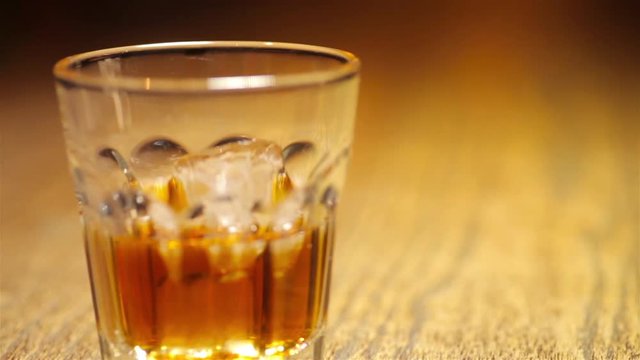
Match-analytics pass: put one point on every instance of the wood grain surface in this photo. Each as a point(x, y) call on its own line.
point(492, 209)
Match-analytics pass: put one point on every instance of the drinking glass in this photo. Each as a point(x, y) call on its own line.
point(208, 175)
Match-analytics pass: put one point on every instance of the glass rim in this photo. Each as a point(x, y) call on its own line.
point(68, 70)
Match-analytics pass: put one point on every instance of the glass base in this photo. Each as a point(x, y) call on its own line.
point(309, 350)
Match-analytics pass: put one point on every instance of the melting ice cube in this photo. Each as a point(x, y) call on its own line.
point(165, 224)
point(292, 211)
point(166, 232)
point(285, 250)
point(233, 258)
point(230, 179)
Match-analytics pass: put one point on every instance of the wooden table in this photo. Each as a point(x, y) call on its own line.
point(492, 210)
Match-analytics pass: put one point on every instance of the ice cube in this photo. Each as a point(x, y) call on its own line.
point(299, 160)
point(171, 252)
point(230, 179)
point(165, 223)
point(234, 257)
point(165, 230)
point(285, 251)
point(292, 211)
point(225, 215)
point(286, 228)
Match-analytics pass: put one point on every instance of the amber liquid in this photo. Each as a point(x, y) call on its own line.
point(205, 298)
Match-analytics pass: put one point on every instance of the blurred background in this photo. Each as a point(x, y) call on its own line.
point(519, 116)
